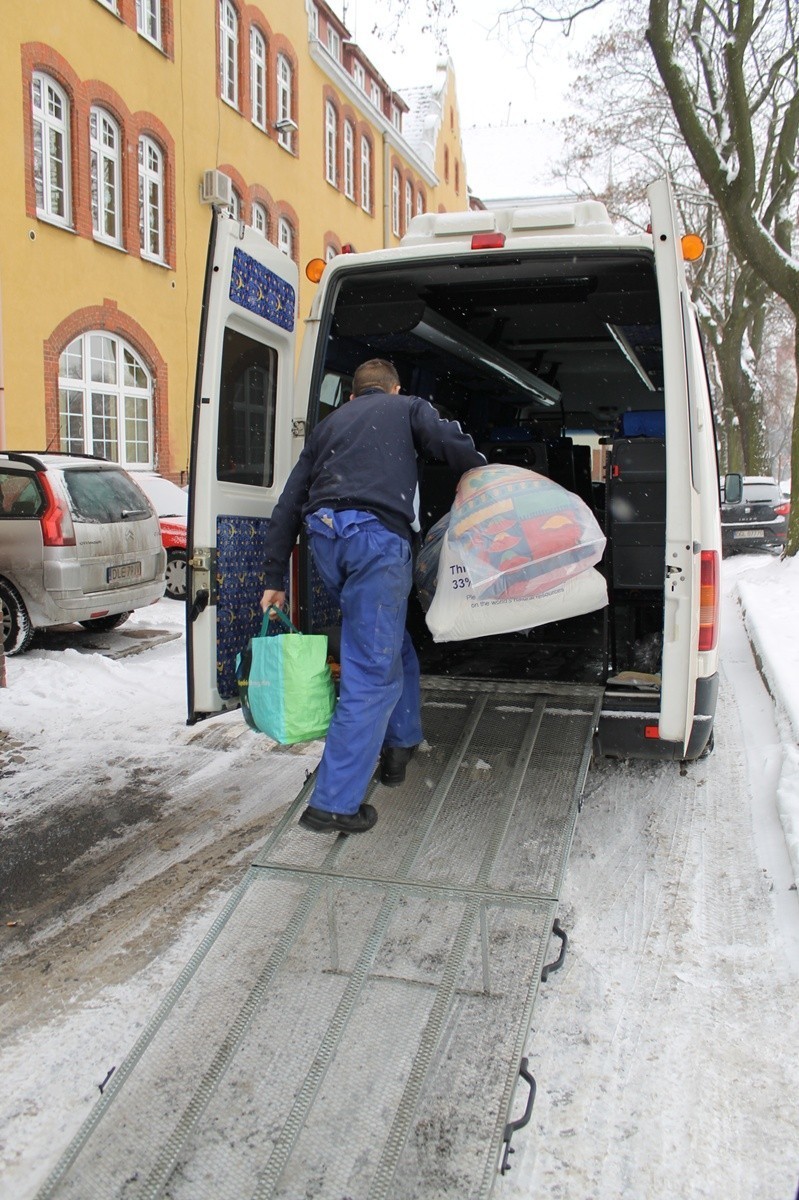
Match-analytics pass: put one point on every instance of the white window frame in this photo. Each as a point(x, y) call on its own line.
point(105, 170)
point(366, 174)
point(375, 95)
point(260, 218)
point(258, 77)
point(234, 208)
point(148, 20)
point(330, 252)
point(395, 202)
point(408, 203)
point(331, 140)
point(111, 5)
point(285, 237)
point(419, 204)
point(359, 75)
point(151, 200)
point(315, 21)
point(285, 77)
point(52, 176)
point(349, 160)
point(98, 393)
point(333, 43)
point(229, 53)
point(396, 117)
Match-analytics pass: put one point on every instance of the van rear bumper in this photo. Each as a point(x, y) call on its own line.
point(628, 724)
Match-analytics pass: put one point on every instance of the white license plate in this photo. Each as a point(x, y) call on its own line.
point(749, 533)
point(123, 572)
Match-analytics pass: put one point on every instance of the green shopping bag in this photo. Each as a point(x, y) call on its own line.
point(285, 686)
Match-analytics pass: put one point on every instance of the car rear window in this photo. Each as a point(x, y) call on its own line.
point(761, 493)
point(105, 496)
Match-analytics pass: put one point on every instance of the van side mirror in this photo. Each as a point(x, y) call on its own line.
point(733, 488)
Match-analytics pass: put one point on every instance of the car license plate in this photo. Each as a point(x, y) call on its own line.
point(748, 533)
point(123, 572)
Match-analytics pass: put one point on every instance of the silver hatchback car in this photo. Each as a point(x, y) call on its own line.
point(79, 541)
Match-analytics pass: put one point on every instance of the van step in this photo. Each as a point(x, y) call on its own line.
point(352, 1025)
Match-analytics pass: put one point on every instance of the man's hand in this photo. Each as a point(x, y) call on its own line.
point(269, 598)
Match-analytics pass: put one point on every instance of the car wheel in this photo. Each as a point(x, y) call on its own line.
point(176, 574)
point(17, 629)
point(101, 624)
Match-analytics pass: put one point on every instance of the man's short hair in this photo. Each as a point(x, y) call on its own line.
point(375, 373)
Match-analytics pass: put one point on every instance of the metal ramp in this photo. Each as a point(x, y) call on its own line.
point(352, 1026)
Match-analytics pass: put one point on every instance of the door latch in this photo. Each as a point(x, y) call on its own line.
point(203, 586)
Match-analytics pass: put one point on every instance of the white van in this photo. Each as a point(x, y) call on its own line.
point(560, 345)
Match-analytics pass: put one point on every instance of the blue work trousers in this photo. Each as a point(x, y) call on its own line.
point(368, 571)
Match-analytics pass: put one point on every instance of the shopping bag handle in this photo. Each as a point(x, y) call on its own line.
point(279, 613)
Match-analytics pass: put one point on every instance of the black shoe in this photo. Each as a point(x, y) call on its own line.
point(322, 821)
point(393, 761)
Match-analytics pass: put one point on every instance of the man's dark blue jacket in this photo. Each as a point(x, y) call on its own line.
point(364, 456)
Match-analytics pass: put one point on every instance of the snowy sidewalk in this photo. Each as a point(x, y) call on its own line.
point(768, 593)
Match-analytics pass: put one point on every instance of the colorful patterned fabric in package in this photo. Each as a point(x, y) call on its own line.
point(518, 534)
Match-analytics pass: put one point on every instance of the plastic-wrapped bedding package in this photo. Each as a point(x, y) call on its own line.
point(516, 551)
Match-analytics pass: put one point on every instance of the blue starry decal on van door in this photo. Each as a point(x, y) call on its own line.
point(241, 547)
point(256, 288)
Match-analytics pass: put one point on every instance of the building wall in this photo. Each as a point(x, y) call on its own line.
point(58, 283)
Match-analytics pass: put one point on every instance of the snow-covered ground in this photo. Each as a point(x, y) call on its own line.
point(666, 1049)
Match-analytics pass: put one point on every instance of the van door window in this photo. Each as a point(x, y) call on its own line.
point(248, 390)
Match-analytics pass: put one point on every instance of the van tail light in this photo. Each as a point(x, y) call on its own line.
point(56, 522)
point(709, 600)
point(782, 510)
point(488, 241)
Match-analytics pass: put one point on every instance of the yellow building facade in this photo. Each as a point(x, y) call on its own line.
point(115, 115)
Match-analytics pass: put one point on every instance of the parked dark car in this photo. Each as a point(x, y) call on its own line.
point(759, 520)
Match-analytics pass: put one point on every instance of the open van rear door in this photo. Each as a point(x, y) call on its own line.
point(682, 565)
point(240, 451)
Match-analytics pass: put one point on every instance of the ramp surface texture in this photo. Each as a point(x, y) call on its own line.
point(352, 1025)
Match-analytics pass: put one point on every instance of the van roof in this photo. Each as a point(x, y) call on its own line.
point(579, 218)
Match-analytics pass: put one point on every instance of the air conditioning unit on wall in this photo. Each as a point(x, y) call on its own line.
point(217, 188)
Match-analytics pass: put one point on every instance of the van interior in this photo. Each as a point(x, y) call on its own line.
point(551, 362)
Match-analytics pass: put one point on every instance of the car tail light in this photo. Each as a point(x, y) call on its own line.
point(709, 600)
point(56, 523)
point(782, 510)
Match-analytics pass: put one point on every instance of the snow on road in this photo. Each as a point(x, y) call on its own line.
point(665, 1050)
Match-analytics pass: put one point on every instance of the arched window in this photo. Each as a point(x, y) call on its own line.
point(105, 400)
point(285, 237)
point(395, 202)
point(285, 135)
point(51, 149)
point(349, 160)
point(366, 175)
point(151, 200)
point(229, 53)
point(408, 202)
point(419, 203)
point(106, 176)
point(258, 78)
point(234, 208)
point(330, 252)
point(260, 218)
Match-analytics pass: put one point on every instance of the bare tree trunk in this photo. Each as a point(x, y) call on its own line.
point(792, 538)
